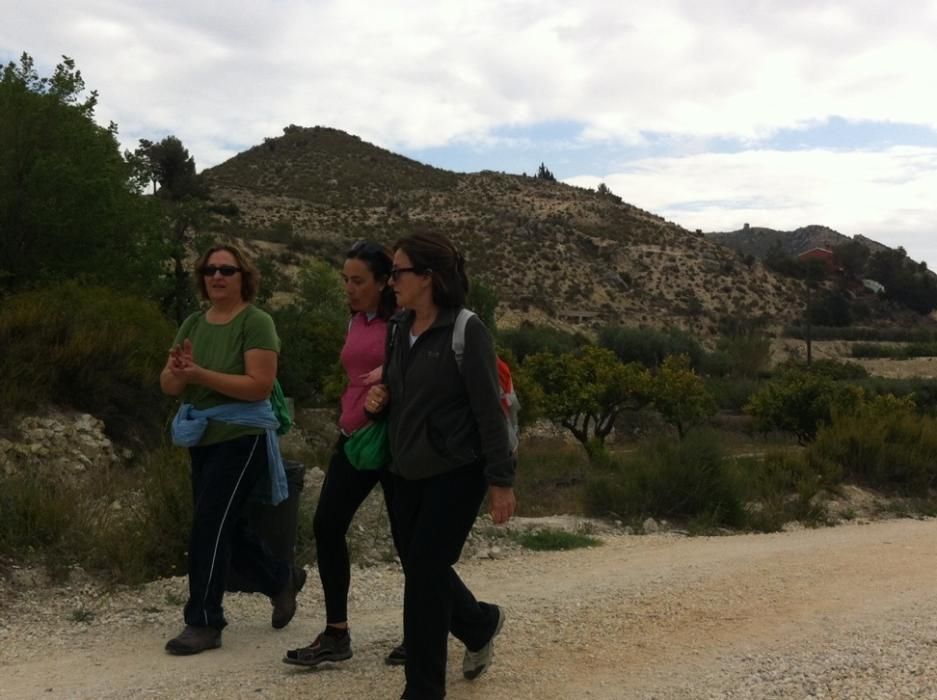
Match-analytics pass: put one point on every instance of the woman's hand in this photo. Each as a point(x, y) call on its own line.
point(501, 503)
point(377, 398)
point(373, 377)
point(182, 364)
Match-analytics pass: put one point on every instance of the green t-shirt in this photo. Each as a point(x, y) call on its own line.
point(221, 347)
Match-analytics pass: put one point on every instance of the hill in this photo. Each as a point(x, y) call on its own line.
point(757, 240)
point(553, 253)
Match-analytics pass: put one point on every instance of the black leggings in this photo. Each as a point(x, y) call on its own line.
point(223, 476)
point(343, 491)
point(434, 518)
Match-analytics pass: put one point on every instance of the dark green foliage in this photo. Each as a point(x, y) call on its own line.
point(892, 334)
point(685, 479)
point(780, 487)
point(67, 207)
point(746, 353)
point(732, 393)
point(852, 257)
point(837, 370)
point(555, 540)
point(800, 403)
point(483, 300)
point(899, 352)
point(650, 346)
point(168, 164)
point(905, 281)
point(530, 339)
point(312, 331)
point(923, 392)
point(543, 173)
point(830, 307)
point(92, 349)
point(883, 444)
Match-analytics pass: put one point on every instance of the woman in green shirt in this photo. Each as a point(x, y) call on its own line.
point(226, 356)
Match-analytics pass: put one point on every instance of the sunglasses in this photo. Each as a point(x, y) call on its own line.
point(225, 270)
point(397, 271)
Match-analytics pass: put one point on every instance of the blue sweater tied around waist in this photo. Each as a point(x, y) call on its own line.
point(190, 423)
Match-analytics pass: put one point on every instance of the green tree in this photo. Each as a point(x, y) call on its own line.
point(800, 403)
point(312, 330)
point(483, 300)
point(543, 173)
point(585, 392)
point(680, 395)
point(68, 206)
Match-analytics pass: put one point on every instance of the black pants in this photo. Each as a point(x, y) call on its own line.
point(343, 491)
point(223, 476)
point(434, 518)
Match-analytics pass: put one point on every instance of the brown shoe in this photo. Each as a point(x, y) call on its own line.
point(194, 640)
point(284, 602)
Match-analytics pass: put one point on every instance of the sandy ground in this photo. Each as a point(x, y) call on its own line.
point(844, 612)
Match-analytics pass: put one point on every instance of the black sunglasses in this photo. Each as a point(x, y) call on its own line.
point(225, 270)
point(397, 271)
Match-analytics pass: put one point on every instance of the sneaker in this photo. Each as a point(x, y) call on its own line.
point(324, 648)
point(475, 663)
point(194, 640)
point(284, 602)
point(397, 656)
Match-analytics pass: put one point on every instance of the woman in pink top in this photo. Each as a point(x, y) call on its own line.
point(366, 273)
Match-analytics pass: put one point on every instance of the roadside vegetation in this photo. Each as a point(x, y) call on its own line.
point(640, 422)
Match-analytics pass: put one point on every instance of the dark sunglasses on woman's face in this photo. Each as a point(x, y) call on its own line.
point(397, 271)
point(225, 270)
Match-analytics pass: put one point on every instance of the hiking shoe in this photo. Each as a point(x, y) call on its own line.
point(324, 648)
point(475, 663)
point(194, 640)
point(284, 602)
point(397, 656)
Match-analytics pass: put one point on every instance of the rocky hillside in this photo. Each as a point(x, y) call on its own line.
point(757, 241)
point(553, 253)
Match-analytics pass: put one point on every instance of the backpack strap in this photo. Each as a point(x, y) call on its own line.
point(458, 334)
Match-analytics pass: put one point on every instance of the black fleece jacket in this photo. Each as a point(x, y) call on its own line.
point(441, 418)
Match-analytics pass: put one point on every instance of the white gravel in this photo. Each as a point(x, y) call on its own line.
point(835, 613)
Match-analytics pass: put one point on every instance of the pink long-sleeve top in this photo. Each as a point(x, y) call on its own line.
point(362, 352)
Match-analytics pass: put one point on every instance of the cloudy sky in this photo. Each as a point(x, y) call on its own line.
point(711, 113)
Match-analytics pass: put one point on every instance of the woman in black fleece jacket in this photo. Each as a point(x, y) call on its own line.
point(449, 445)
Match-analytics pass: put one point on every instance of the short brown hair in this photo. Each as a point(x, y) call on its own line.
point(250, 275)
point(435, 255)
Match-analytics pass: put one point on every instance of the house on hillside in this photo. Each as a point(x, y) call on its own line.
point(824, 255)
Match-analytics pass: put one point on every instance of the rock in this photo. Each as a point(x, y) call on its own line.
point(650, 526)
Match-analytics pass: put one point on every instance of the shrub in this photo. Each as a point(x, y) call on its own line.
point(687, 479)
point(732, 393)
point(883, 444)
point(800, 402)
point(780, 487)
point(836, 370)
point(650, 346)
point(530, 339)
point(91, 349)
point(555, 540)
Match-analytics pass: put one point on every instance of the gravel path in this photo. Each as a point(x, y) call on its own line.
point(835, 613)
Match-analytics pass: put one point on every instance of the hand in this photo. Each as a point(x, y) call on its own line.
point(377, 398)
point(501, 503)
point(372, 377)
point(181, 362)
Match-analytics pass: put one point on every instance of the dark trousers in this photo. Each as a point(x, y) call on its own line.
point(343, 491)
point(434, 518)
point(223, 476)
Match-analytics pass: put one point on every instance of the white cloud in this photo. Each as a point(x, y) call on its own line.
point(886, 195)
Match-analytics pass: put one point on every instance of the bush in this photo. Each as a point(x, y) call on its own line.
point(836, 370)
point(650, 346)
point(530, 339)
point(884, 444)
point(686, 479)
point(780, 487)
point(895, 335)
point(898, 352)
point(732, 393)
point(923, 392)
point(800, 402)
point(91, 349)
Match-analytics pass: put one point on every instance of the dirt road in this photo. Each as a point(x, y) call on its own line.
point(845, 612)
